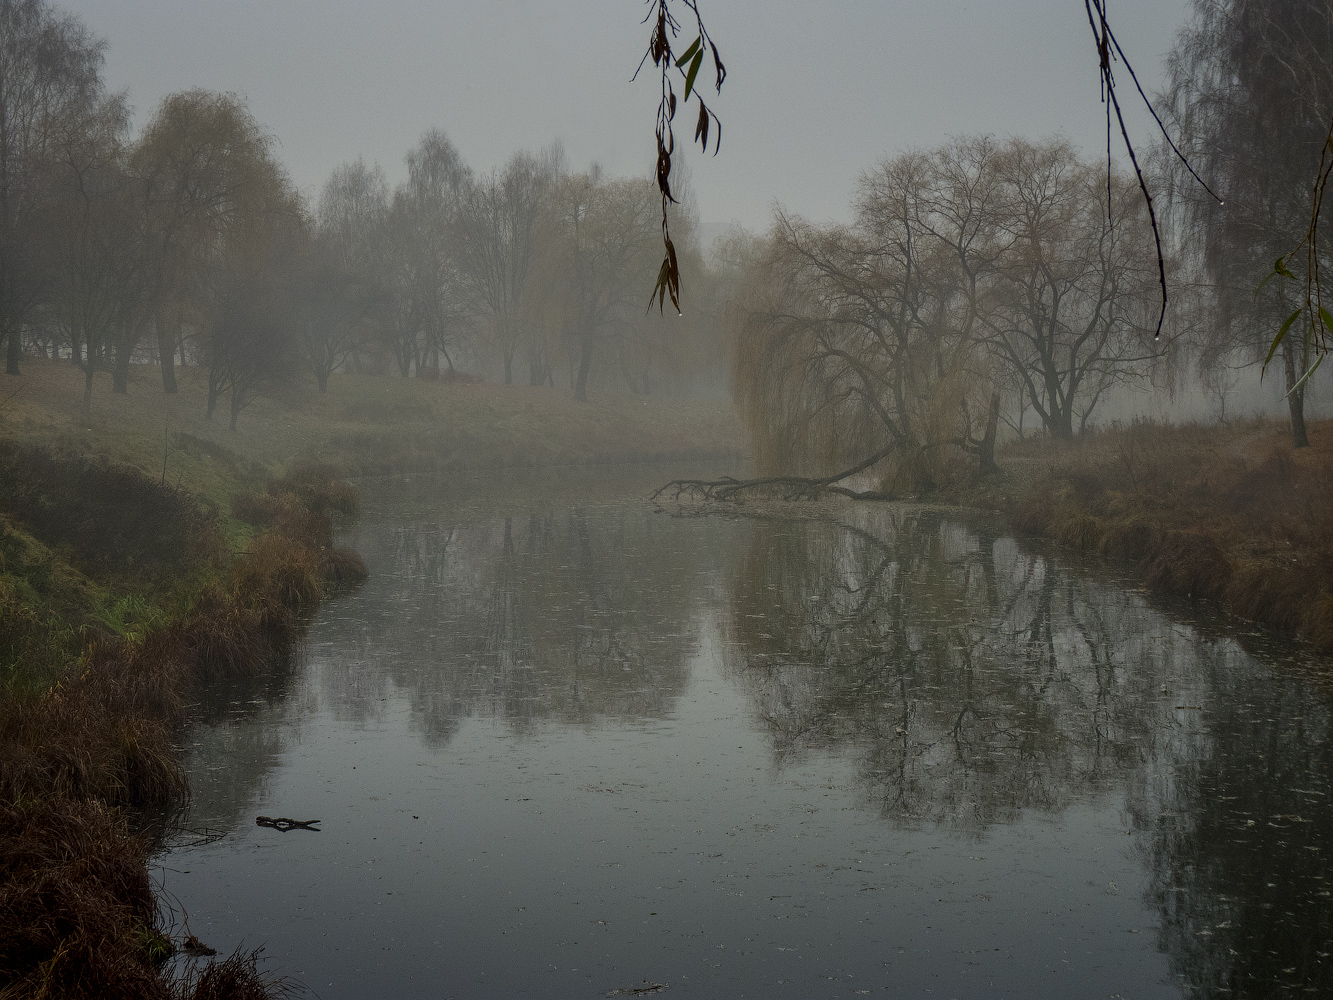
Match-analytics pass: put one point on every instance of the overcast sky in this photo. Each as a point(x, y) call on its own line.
point(817, 91)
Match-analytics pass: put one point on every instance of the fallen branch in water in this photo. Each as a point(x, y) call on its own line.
point(283, 824)
point(796, 487)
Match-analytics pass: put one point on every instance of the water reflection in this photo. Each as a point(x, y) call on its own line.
point(972, 681)
point(542, 617)
point(955, 688)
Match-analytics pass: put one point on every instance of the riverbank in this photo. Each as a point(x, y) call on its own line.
point(1229, 513)
point(363, 425)
point(96, 689)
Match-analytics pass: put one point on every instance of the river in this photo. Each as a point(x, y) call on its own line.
point(566, 744)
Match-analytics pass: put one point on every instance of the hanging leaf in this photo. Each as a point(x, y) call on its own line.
point(695, 63)
point(1280, 334)
point(689, 53)
point(701, 129)
point(717, 64)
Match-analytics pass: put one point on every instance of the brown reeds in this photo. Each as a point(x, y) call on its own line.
point(236, 977)
point(1230, 514)
point(76, 903)
point(77, 916)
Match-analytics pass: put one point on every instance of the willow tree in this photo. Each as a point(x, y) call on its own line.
point(1250, 85)
point(852, 343)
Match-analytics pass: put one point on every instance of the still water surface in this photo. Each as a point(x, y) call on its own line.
point(563, 744)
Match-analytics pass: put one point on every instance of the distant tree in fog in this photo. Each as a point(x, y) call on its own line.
point(94, 238)
point(350, 261)
point(602, 246)
point(498, 248)
point(50, 81)
point(251, 348)
point(434, 197)
point(199, 164)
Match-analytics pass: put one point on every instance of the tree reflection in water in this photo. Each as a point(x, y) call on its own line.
point(972, 681)
point(544, 616)
point(971, 684)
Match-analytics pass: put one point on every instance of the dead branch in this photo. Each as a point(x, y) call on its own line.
point(792, 487)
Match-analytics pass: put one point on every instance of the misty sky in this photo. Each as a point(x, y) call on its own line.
point(817, 91)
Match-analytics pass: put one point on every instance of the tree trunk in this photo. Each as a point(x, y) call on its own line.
point(88, 387)
point(1295, 400)
point(166, 356)
point(509, 369)
point(120, 372)
point(322, 379)
point(12, 350)
point(585, 368)
point(1061, 424)
point(986, 453)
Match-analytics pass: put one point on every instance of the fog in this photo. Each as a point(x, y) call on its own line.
point(815, 94)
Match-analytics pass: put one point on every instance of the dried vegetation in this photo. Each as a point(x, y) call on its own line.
point(78, 917)
point(1230, 513)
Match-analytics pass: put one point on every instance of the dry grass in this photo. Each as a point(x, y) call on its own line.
point(234, 978)
point(1229, 513)
point(77, 917)
point(76, 902)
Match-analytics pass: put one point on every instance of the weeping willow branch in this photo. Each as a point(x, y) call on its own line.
point(665, 29)
point(1320, 325)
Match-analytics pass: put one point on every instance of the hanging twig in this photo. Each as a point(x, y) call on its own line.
point(1320, 326)
point(665, 29)
point(1108, 50)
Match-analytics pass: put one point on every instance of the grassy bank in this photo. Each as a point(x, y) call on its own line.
point(364, 425)
point(96, 688)
point(1228, 513)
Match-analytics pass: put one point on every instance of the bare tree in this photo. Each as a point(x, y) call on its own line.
point(1071, 308)
point(49, 80)
point(497, 243)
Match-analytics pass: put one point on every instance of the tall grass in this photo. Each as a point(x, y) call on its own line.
point(77, 918)
point(1228, 513)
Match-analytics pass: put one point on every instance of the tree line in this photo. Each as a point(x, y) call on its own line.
point(187, 244)
point(987, 282)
